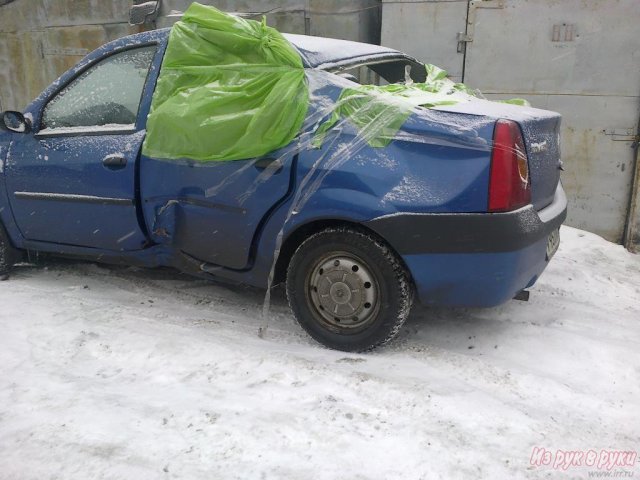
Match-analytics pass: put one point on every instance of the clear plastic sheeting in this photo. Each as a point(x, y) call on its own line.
point(342, 143)
point(229, 89)
point(387, 107)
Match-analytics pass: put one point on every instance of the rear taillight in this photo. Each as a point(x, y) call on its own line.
point(509, 186)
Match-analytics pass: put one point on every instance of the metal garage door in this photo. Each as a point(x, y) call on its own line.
point(578, 57)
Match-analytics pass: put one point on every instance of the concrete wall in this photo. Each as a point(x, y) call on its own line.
point(41, 39)
point(357, 20)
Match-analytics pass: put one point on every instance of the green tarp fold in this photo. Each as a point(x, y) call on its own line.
point(228, 89)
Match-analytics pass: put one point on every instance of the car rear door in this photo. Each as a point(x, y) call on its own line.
point(73, 179)
point(213, 211)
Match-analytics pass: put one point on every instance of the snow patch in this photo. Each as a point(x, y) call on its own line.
point(93, 129)
point(147, 374)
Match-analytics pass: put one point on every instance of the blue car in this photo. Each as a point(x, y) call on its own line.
point(462, 208)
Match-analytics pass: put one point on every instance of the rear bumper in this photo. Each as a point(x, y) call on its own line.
point(473, 259)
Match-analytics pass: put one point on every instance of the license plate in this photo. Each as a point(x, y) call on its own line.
point(553, 242)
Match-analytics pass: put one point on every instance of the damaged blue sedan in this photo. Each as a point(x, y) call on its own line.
point(352, 172)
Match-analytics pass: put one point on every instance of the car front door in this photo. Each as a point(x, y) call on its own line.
point(72, 180)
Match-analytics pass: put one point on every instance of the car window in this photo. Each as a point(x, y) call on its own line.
point(382, 73)
point(362, 75)
point(107, 94)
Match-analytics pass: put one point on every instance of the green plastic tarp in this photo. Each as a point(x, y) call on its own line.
point(228, 89)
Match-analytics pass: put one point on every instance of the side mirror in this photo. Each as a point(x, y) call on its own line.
point(15, 122)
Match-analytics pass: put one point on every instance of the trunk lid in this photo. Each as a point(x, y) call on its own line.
point(541, 132)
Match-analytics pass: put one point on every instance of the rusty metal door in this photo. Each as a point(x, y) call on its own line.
point(582, 59)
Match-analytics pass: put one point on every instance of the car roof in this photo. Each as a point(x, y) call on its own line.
point(321, 52)
point(326, 53)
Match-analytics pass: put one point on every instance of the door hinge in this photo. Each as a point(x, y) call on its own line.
point(621, 134)
point(474, 5)
point(463, 38)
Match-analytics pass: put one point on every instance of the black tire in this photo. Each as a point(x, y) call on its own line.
point(342, 262)
point(8, 255)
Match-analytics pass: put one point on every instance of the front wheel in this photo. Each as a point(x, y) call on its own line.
point(348, 290)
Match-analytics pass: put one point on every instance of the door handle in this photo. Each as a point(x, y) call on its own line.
point(114, 161)
point(273, 164)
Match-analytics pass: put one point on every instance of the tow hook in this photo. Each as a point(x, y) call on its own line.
point(522, 295)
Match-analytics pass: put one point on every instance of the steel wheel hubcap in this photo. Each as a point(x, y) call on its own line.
point(343, 291)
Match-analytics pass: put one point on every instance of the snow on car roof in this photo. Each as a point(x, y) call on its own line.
point(322, 52)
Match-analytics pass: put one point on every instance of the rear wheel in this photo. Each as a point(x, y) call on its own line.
point(348, 290)
point(8, 255)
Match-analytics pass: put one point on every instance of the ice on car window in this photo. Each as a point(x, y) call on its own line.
point(108, 93)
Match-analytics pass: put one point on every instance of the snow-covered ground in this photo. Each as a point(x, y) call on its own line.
point(107, 372)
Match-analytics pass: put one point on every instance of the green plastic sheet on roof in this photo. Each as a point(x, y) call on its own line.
point(228, 89)
point(380, 111)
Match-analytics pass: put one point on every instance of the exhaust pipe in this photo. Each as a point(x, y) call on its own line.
point(522, 295)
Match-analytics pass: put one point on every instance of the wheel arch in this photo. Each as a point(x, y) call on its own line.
point(295, 238)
